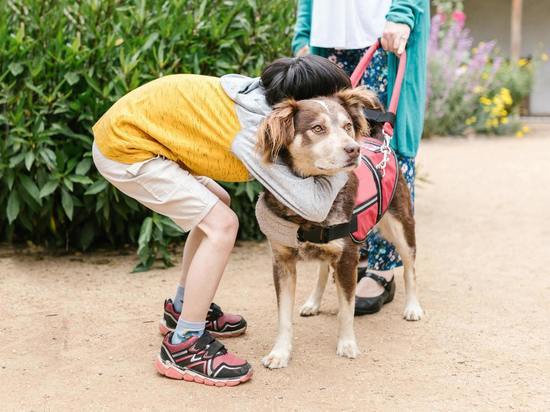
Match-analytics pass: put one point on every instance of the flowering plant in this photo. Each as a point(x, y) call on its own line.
point(471, 89)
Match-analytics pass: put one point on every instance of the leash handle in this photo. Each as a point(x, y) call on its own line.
point(364, 63)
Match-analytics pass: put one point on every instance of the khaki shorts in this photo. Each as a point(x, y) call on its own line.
point(162, 186)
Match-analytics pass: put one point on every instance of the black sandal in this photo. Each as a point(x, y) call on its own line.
point(367, 306)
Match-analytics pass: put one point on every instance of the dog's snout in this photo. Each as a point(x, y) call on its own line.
point(352, 150)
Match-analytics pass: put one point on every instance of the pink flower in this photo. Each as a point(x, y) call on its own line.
point(459, 17)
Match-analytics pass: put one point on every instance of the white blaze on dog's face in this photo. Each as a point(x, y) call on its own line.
point(324, 141)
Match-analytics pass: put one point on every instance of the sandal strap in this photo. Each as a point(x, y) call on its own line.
point(364, 273)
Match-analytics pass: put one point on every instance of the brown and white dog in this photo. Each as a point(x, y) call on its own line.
point(319, 137)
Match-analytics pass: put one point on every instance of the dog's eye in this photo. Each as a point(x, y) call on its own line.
point(348, 127)
point(317, 129)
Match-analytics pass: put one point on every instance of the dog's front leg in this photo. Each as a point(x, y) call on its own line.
point(284, 277)
point(346, 278)
point(313, 302)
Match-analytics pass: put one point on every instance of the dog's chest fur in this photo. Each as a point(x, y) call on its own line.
point(340, 212)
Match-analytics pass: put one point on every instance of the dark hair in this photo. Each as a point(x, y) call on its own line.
point(302, 78)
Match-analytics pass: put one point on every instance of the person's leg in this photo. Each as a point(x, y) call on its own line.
point(164, 187)
point(379, 252)
point(381, 256)
point(220, 227)
point(193, 240)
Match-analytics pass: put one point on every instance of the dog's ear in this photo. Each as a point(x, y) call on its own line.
point(354, 101)
point(277, 130)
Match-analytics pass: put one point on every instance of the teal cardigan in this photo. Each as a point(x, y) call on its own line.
point(410, 112)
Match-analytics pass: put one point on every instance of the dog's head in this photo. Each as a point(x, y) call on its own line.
point(318, 136)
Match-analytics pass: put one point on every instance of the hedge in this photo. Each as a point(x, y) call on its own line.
point(63, 63)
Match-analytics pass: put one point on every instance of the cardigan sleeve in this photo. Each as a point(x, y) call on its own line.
point(302, 29)
point(405, 12)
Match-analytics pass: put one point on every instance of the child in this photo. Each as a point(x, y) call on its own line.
point(164, 144)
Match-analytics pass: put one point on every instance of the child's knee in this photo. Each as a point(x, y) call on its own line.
point(221, 224)
point(230, 223)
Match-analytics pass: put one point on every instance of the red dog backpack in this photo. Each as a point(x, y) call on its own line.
point(377, 175)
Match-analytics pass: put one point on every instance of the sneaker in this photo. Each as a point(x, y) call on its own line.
point(203, 360)
point(219, 324)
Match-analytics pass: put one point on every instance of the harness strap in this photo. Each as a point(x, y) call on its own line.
point(364, 63)
point(325, 234)
point(378, 116)
point(363, 273)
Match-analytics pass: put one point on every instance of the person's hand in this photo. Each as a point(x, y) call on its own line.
point(304, 51)
point(395, 37)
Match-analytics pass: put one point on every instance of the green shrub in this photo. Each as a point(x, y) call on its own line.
point(63, 63)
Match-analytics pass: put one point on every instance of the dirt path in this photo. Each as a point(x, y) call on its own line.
point(80, 332)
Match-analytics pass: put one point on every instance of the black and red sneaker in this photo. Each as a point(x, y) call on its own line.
point(203, 360)
point(219, 324)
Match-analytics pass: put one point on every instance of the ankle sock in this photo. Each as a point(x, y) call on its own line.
point(178, 299)
point(185, 330)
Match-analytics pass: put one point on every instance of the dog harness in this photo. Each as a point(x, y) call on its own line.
point(377, 172)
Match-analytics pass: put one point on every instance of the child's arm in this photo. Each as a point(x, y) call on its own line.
point(310, 197)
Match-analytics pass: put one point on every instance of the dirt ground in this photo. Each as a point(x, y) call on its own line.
point(80, 332)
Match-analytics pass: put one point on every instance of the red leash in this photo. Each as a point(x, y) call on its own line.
point(392, 109)
point(357, 75)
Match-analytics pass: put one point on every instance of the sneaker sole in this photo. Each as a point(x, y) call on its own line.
point(164, 330)
point(170, 371)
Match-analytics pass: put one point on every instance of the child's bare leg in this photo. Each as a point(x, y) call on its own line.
point(193, 241)
point(208, 263)
point(196, 235)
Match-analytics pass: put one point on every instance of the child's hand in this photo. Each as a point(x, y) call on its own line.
point(395, 37)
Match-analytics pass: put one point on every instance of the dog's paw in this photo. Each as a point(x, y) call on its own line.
point(413, 312)
point(276, 360)
point(309, 309)
point(347, 349)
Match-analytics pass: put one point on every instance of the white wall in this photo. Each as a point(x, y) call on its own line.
point(490, 20)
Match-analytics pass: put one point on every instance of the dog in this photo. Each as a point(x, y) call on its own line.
point(320, 137)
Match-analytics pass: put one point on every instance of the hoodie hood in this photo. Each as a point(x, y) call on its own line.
point(247, 93)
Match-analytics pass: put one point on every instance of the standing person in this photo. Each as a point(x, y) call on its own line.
point(164, 143)
point(343, 33)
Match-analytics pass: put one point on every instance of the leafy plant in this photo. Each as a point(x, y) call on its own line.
point(471, 89)
point(64, 63)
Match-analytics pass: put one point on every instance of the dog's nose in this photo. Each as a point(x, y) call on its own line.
point(352, 149)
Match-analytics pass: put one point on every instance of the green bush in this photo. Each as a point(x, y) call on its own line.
point(471, 90)
point(64, 63)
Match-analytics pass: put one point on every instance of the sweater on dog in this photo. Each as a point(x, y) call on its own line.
point(208, 126)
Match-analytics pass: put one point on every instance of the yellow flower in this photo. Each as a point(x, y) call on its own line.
point(478, 89)
point(544, 57)
point(494, 122)
point(484, 100)
point(525, 129)
point(519, 134)
point(504, 120)
point(506, 96)
point(485, 76)
point(471, 120)
point(523, 62)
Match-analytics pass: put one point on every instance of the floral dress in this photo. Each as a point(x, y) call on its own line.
point(380, 253)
